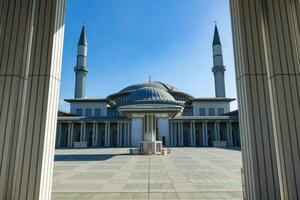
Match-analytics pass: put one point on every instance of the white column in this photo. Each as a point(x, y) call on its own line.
point(181, 133)
point(170, 134)
point(191, 134)
point(267, 66)
point(96, 134)
point(72, 134)
point(108, 134)
point(194, 133)
point(121, 134)
point(177, 134)
point(229, 134)
point(31, 38)
point(125, 134)
point(217, 131)
point(174, 133)
point(204, 134)
point(59, 135)
point(81, 131)
point(69, 135)
point(118, 134)
point(129, 134)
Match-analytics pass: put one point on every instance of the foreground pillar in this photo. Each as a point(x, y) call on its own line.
point(267, 56)
point(31, 40)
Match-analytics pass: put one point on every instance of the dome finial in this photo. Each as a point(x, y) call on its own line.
point(150, 79)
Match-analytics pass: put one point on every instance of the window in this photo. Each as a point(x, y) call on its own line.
point(202, 112)
point(79, 112)
point(211, 111)
point(88, 112)
point(220, 111)
point(97, 112)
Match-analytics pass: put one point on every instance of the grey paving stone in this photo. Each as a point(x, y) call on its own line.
point(187, 173)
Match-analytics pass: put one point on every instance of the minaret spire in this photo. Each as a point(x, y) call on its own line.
point(217, 40)
point(81, 65)
point(82, 39)
point(218, 68)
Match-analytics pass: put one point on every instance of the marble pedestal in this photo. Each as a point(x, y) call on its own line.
point(150, 148)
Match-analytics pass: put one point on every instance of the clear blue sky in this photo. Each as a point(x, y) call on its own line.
point(128, 40)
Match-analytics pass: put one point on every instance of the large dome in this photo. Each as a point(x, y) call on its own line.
point(159, 85)
point(150, 94)
point(122, 97)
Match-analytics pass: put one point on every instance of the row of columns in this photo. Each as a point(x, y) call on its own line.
point(123, 134)
point(176, 133)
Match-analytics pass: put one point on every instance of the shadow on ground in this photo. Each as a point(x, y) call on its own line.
point(86, 157)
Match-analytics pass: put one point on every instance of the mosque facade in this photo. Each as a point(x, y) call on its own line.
point(152, 111)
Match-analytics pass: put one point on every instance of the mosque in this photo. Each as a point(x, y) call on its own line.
point(151, 112)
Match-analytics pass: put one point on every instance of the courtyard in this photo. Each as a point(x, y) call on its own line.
point(187, 173)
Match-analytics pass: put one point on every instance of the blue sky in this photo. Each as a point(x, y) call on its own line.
point(129, 40)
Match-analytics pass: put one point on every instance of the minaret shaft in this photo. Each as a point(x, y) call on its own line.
point(218, 68)
point(81, 66)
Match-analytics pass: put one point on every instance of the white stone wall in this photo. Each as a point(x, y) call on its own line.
point(137, 131)
point(163, 129)
point(89, 105)
point(208, 105)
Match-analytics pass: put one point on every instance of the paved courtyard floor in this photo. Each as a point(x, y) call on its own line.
point(187, 173)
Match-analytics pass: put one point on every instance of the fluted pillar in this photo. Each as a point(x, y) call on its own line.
point(31, 40)
point(267, 51)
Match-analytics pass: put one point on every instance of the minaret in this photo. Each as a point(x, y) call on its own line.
point(218, 68)
point(81, 66)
